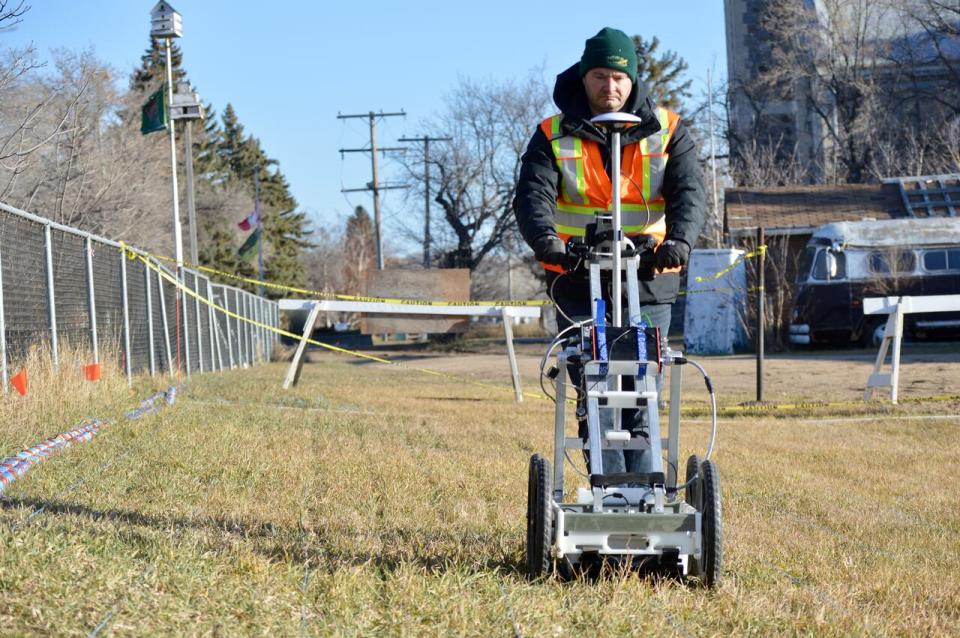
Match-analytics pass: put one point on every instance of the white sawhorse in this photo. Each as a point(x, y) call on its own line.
point(896, 308)
point(507, 313)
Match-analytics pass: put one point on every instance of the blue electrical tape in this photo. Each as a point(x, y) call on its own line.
point(642, 348)
point(601, 340)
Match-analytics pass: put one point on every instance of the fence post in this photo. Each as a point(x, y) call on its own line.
point(252, 329)
point(226, 317)
point(216, 356)
point(268, 313)
point(254, 335)
point(196, 309)
point(248, 356)
point(182, 295)
point(271, 335)
point(92, 301)
point(241, 346)
point(234, 333)
point(3, 337)
point(245, 328)
point(51, 301)
point(166, 324)
point(761, 317)
point(126, 316)
point(146, 282)
point(261, 335)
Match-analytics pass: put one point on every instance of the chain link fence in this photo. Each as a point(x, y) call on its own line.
point(60, 285)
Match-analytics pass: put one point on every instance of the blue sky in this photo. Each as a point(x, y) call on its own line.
point(288, 67)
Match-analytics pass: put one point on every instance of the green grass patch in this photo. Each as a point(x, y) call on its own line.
point(374, 501)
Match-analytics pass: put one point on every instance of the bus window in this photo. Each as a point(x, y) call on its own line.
point(806, 261)
point(953, 259)
point(901, 261)
point(829, 265)
point(936, 260)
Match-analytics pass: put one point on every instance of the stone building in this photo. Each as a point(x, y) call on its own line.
point(903, 65)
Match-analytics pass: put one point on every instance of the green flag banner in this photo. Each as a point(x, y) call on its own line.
point(250, 244)
point(153, 116)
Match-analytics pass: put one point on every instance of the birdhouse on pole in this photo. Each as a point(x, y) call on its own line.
point(165, 22)
point(186, 104)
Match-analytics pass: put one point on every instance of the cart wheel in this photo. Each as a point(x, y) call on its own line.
point(692, 493)
point(712, 560)
point(539, 518)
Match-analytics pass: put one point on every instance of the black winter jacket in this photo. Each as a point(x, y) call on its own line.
point(535, 201)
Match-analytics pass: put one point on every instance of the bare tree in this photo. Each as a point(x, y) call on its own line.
point(474, 176)
point(95, 171)
point(939, 21)
point(326, 266)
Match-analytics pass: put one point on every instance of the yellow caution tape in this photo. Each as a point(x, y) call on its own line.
point(342, 297)
point(173, 280)
point(747, 408)
point(423, 302)
point(762, 250)
point(744, 408)
point(726, 290)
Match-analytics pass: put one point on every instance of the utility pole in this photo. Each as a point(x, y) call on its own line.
point(375, 184)
point(509, 246)
point(713, 155)
point(426, 139)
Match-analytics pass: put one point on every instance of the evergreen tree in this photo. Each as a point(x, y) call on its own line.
point(207, 163)
point(153, 67)
point(661, 73)
point(285, 229)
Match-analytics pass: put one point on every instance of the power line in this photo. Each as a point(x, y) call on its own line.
point(374, 185)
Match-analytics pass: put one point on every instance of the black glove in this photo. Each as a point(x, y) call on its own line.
point(550, 249)
point(673, 253)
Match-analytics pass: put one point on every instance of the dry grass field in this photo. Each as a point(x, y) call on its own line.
point(373, 500)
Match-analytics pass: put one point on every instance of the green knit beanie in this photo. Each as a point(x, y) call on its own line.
point(610, 49)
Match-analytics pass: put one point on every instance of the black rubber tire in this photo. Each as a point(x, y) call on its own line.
point(871, 328)
point(712, 516)
point(692, 493)
point(539, 519)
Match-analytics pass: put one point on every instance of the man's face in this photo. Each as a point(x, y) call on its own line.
point(607, 90)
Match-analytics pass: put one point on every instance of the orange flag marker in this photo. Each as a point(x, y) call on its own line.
point(92, 372)
point(19, 381)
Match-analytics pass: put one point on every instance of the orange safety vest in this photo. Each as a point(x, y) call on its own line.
point(585, 186)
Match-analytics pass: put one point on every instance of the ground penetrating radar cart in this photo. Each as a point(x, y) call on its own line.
point(635, 516)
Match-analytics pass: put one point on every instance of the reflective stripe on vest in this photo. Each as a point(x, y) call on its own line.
point(585, 187)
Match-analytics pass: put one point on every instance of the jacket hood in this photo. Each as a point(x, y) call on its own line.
point(571, 99)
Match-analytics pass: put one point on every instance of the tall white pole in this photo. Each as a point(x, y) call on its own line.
point(713, 155)
point(617, 228)
point(177, 230)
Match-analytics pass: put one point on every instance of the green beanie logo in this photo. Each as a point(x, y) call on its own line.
point(617, 60)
